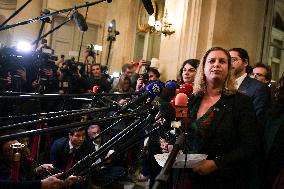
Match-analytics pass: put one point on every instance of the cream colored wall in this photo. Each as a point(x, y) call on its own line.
point(170, 52)
point(199, 24)
point(125, 14)
point(239, 23)
point(28, 32)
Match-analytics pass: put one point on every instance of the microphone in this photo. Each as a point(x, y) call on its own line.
point(148, 6)
point(172, 83)
point(181, 108)
point(96, 88)
point(186, 89)
point(152, 90)
point(80, 21)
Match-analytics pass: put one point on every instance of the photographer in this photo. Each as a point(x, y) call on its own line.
point(90, 55)
point(97, 82)
point(71, 80)
point(47, 81)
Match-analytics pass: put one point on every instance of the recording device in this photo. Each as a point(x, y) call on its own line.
point(10, 61)
point(80, 21)
point(69, 67)
point(144, 69)
point(90, 50)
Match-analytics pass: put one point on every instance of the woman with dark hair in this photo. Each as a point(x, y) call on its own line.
point(123, 86)
point(188, 70)
point(274, 143)
point(222, 124)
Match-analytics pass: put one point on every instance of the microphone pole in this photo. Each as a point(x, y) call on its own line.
point(15, 126)
point(82, 37)
point(164, 174)
point(63, 127)
point(32, 20)
point(136, 139)
point(15, 13)
point(64, 112)
point(117, 122)
point(89, 159)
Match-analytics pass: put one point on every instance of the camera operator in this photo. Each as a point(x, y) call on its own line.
point(90, 55)
point(98, 82)
point(71, 80)
point(13, 74)
point(47, 81)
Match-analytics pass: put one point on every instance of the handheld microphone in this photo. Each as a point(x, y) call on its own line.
point(181, 108)
point(152, 90)
point(172, 84)
point(80, 21)
point(96, 88)
point(186, 89)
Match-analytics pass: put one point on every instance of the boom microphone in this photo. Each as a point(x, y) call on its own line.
point(80, 21)
point(148, 6)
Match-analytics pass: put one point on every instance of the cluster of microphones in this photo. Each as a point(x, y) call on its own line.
point(154, 109)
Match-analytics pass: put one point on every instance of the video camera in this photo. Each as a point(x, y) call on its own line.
point(145, 76)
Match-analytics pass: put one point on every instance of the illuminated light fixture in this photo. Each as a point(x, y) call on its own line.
point(24, 46)
point(163, 25)
point(98, 48)
point(115, 75)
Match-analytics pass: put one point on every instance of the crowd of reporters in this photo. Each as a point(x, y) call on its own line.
point(260, 116)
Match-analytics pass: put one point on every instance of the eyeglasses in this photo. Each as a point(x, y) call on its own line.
point(235, 59)
point(256, 75)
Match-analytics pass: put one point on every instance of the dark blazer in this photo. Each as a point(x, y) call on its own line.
point(7, 184)
point(60, 152)
point(260, 95)
point(232, 141)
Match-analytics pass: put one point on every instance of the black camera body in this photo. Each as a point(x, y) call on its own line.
point(145, 78)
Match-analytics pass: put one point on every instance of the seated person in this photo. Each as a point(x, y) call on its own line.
point(108, 173)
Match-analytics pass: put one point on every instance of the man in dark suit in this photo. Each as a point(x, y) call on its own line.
point(110, 172)
point(67, 151)
point(258, 91)
point(260, 94)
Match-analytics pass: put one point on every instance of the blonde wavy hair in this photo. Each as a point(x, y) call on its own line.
point(199, 87)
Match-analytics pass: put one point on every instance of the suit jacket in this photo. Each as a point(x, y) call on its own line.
point(7, 184)
point(60, 152)
point(260, 95)
point(232, 141)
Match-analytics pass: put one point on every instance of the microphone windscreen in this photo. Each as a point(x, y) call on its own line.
point(186, 89)
point(155, 89)
point(167, 94)
point(167, 111)
point(95, 88)
point(109, 1)
point(80, 21)
point(148, 6)
point(172, 84)
point(181, 100)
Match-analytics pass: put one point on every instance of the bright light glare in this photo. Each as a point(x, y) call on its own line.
point(24, 46)
point(98, 48)
point(151, 20)
point(115, 74)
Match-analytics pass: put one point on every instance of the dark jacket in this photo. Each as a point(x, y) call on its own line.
point(260, 95)
point(6, 184)
point(60, 152)
point(233, 140)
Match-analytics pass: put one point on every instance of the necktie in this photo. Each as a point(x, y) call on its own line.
point(70, 161)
